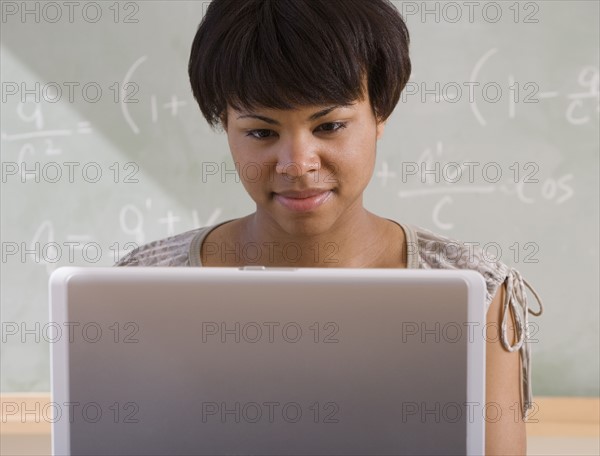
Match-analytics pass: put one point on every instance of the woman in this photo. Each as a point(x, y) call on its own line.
point(303, 89)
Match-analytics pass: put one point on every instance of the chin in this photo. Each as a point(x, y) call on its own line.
point(307, 224)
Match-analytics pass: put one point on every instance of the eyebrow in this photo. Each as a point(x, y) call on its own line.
point(314, 116)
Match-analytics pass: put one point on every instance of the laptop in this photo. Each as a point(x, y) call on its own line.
point(267, 361)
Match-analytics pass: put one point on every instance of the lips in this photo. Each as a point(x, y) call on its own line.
point(303, 193)
point(304, 200)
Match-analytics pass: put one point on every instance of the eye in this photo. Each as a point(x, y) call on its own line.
point(264, 134)
point(338, 126)
point(256, 134)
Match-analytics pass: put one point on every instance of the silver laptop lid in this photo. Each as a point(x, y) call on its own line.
point(310, 361)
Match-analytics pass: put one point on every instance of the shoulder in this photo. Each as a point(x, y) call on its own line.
point(436, 251)
point(171, 251)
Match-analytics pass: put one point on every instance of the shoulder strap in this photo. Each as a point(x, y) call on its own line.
point(516, 298)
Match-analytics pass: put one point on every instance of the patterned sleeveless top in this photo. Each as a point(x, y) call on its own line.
point(425, 250)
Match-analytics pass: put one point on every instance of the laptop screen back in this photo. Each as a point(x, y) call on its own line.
point(214, 361)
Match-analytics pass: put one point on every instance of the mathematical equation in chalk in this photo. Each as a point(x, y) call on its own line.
point(47, 248)
point(582, 107)
point(444, 180)
point(133, 220)
point(173, 105)
point(31, 113)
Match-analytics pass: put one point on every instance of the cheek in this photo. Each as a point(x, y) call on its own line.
point(358, 154)
point(234, 147)
point(246, 169)
point(243, 158)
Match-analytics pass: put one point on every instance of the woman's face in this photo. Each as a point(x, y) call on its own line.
point(306, 169)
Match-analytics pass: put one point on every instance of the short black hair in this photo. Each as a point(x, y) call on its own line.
point(284, 54)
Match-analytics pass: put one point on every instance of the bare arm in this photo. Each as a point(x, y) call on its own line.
point(505, 433)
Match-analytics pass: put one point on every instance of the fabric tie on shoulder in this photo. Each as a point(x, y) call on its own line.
point(516, 298)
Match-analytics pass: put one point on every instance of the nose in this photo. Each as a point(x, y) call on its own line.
point(297, 156)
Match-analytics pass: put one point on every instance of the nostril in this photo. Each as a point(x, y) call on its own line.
point(297, 169)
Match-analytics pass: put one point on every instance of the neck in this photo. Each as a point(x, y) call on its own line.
point(350, 241)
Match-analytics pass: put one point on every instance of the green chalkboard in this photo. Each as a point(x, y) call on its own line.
point(113, 153)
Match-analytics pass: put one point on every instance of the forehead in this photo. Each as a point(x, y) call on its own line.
point(359, 106)
point(309, 113)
